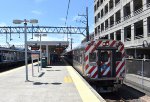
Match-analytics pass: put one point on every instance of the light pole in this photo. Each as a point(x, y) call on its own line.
point(25, 36)
point(39, 35)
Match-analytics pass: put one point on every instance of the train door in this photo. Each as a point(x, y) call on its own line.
point(106, 63)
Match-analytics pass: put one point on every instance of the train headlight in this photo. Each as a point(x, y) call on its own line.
point(88, 75)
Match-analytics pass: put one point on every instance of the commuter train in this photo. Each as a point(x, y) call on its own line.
point(11, 57)
point(100, 62)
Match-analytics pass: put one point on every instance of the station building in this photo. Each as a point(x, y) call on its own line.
point(125, 20)
point(49, 48)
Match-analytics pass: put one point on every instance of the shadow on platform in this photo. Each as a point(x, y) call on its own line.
point(40, 83)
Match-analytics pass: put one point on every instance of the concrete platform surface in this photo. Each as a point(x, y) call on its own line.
point(138, 82)
point(51, 84)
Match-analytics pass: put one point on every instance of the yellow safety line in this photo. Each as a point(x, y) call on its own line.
point(86, 94)
point(68, 79)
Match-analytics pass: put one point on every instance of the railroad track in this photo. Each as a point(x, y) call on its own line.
point(124, 94)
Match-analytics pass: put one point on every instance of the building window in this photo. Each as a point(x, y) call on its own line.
point(112, 21)
point(138, 7)
point(102, 13)
point(106, 24)
point(112, 36)
point(118, 35)
point(106, 9)
point(138, 28)
point(94, 8)
point(118, 17)
point(111, 5)
point(127, 11)
point(117, 2)
point(97, 4)
point(102, 27)
point(127, 33)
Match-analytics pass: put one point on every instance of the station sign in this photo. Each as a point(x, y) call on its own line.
point(35, 47)
point(35, 56)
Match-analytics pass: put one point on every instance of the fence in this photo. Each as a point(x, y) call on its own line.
point(139, 67)
point(138, 74)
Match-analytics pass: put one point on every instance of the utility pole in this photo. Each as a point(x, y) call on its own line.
point(86, 23)
point(71, 43)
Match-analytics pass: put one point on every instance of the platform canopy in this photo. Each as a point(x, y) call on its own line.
point(52, 46)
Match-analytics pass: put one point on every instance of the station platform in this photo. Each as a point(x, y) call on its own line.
point(138, 82)
point(50, 84)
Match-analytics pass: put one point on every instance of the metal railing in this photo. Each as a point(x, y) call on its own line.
point(139, 37)
point(138, 11)
point(127, 17)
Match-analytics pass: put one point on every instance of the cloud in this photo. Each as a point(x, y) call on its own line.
point(76, 18)
point(62, 19)
point(36, 12)
point(2, 24)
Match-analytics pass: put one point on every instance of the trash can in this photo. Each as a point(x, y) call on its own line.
point(44, 62)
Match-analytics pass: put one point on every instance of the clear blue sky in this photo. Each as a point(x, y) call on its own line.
point(48, 13)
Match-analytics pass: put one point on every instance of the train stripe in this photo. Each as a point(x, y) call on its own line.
point(120, 68)
point(86, 58)
point(106, 72)
point(86, 67)
point(87, 48)
point(112, 43)
point(99, 42)
point(95, 74)
point(121, 71)
point(121, 49)
point(117, 63)
point(91, 69)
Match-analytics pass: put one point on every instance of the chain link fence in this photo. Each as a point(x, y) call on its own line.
point(138, 74)
point(138, 67)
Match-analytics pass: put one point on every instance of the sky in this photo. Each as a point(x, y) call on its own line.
point(48, 13)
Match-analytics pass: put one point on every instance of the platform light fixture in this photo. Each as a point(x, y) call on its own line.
point(25, 21)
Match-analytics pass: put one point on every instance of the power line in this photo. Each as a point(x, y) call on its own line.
point(67, 12)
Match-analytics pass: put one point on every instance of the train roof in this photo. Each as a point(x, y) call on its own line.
point(83, 45)
point(12, 49)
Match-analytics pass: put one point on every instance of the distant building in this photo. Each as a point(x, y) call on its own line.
point(125, 20)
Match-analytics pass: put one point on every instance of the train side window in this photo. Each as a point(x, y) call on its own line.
point(92, 57)
point(104, 56)
point(118, 56)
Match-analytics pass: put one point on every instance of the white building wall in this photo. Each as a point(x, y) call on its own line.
point(129, 21)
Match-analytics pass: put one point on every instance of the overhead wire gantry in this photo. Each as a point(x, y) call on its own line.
point(43, 29)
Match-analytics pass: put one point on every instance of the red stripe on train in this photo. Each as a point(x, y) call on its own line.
point(120, 68)
point(99, 42)
point(112, 44)
point(87, 48)
point(91, 70)
point(86, 58)
point(95, 74)
point(86, 67)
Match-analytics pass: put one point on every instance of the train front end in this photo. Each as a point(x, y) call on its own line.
point(105, 64)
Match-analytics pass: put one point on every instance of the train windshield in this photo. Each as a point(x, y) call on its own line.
point(118, 56)
point(104, 56)
point(92, 57)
